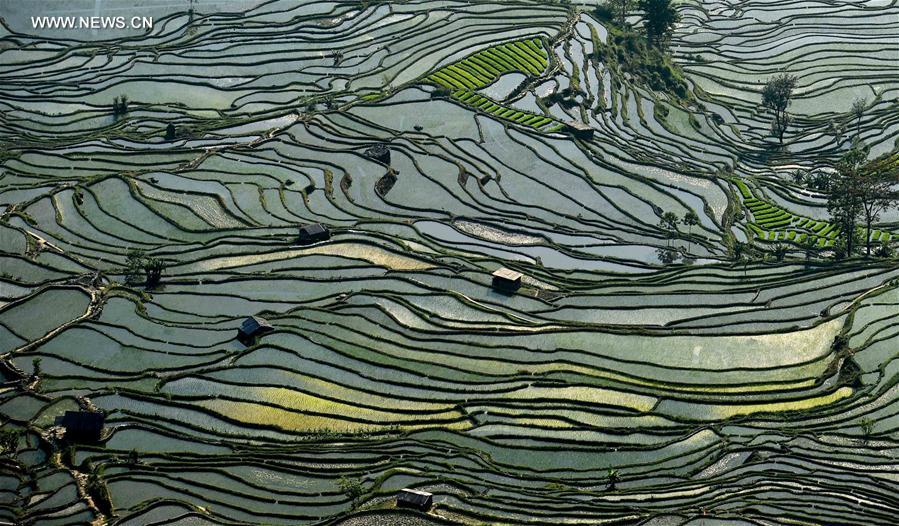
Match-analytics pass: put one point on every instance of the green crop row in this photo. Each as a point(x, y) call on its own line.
point(482, 68)
point(487, 105)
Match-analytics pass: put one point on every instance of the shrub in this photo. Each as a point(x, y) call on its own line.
point(884, 250)
point(96, 488)
point(9, 441)
point(780, 251)
point(353, 489)
point(867, 426)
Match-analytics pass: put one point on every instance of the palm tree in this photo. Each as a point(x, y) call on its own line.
point(669, 224)
point(691, 220)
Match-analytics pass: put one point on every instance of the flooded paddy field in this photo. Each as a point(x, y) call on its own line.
point(613, 387)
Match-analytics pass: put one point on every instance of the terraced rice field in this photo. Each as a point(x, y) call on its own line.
point(610, 389)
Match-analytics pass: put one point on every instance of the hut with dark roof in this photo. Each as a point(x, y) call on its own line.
point(579, 129)
point(506, 280)
point(83, 426)
point(414, 499)
point(314, 233)
point(251, 328)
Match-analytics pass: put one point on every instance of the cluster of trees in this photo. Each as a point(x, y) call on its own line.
point(777, 94)
point(669, 222)
point(818, 180)
point(860, 191)
point(659, 17)
point(120, 106)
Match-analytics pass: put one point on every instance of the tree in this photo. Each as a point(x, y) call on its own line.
point(619, 10)
point(669, 224)
point(867, 426)
point(667, 255)
point(876, 186)
point(120, 106)
point(153, 268)
point(134, 266)
point(876, 196)
point(170, 132)
point(808, 244)
point(776, 96)
point(780, 251)
point(614, 477)
point(741, 253)
point(820, 181)
point(843, 203)
point(691, 220)
point(739, 250)
point(659, 17)
point(858, 111)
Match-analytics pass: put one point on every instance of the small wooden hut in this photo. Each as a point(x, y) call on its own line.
point(414, 499)
point(83, 426)
point(506, 280)
point(251, 328)
point(579, 130)
point(314, 233)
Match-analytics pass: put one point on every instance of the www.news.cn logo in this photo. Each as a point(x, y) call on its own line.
point(91, 22)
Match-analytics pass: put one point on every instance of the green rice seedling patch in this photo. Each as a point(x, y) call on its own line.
point(772, 223)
